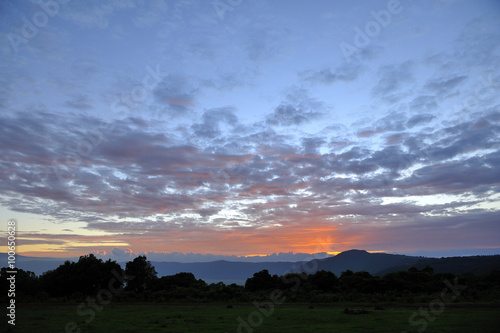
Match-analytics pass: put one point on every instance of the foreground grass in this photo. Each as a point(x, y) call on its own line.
point(218, 318)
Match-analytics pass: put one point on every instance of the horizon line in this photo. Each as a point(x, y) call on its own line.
point(187, 255)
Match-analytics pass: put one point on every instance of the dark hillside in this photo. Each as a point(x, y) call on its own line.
point(477, 265)
point(359, 260)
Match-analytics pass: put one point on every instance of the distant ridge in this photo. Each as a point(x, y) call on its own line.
point(237, 271)
point(477, 265)
point(222, 270)
point(37, 265)
point(359, 260)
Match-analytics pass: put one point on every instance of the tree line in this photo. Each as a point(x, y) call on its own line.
point(139, 282)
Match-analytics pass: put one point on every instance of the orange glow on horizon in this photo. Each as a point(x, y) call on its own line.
point(319, 237)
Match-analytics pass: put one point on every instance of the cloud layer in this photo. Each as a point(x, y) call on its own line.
point(167, 126)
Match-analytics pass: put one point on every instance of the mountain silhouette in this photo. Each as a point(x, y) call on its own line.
point(358, 260)
point(354, 260)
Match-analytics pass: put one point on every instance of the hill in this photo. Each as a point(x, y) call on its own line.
point(221, 270)
point(477, 265)
point(37, 265)
point(358, 260)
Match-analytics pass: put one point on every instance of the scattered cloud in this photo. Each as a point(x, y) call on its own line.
point(298, 108)
point(348, 72)
point(177, 94)
point(80, 102)
point(393, 79)
point(133, 125)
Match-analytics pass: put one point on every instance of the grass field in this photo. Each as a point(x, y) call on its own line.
point(45, 318)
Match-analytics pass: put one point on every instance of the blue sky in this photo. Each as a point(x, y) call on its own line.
point(238, 127)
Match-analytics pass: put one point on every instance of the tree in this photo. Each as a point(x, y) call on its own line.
point(60, 281)
point(346, 273)
point(26, 283)
point(183, 279)
point(140, 274)
point(324, 281)
point(87, 276)
point(261, 281)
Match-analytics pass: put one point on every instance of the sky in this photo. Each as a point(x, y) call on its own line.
point(247, 128)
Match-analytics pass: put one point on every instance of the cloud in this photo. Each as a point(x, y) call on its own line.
point(395, 138)
point(246, 182)
point(85, 68)
point(452, 176)
point(444, 86)
point(349, 72)
point(151, 14)
point(235, 162)
point(298, 108)
point(177, 94)
point(265, 44)
point(423, 103)
point(312, 145)
point(79, 102)
point(209, 127)
point(395, 121)
point(473, 49)
point(392, 80)
point(230, 80)
point(419, 119)
point(5, 91)
point(96, 15)
point(289, 115)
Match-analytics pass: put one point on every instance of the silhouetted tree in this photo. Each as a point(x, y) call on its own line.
point(261, 281)
point(26, 283)
point(141, 274)
point(183, 279)
point(324, 281)
point(87, 276)
point(346, 273)
point(60, 281)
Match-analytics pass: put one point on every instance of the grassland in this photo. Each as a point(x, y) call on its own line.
point(125, 318)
